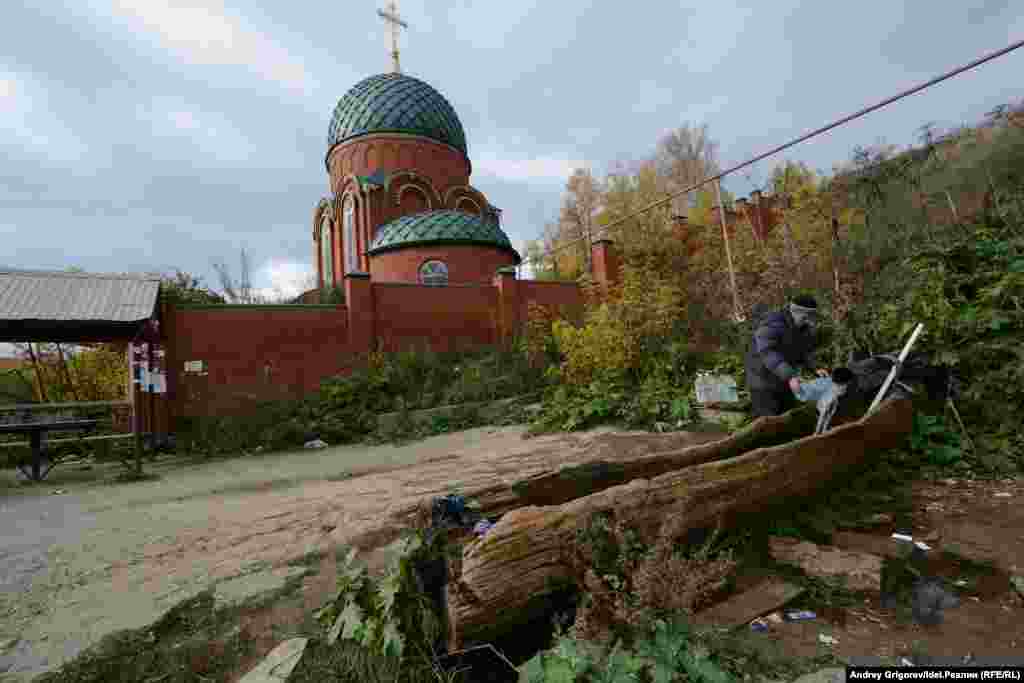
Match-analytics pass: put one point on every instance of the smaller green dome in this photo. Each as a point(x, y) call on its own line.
point(447, 226)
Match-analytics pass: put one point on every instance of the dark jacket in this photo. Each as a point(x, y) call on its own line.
point(777, 349)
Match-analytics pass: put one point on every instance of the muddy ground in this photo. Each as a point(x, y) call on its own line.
point(976, 533)
point(101, 557)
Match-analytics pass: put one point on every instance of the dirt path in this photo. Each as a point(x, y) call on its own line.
point(125, 553)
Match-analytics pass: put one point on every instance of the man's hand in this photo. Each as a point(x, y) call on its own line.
point(794, 385)
point(822, 372)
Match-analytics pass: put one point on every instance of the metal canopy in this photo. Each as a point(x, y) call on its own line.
point(57, 306)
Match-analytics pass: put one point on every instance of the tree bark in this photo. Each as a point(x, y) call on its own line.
point(621, 458)
point(505, 578)
point(547, 477)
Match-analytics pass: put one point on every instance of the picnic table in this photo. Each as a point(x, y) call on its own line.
point(35, 429)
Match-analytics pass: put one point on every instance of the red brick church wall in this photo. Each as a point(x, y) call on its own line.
point(251, 353)
point(255, 353)
point(443, 165)
point(465, 263)
point(448, 318)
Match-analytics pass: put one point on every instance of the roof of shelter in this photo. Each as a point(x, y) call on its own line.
point(37, 305)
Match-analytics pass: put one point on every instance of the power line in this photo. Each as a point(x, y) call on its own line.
point(807, 136)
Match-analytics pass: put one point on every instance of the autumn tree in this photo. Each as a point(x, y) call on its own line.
point(683, 157)
point(584, 196)
point(76, 372)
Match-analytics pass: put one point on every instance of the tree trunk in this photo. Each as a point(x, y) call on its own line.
point(506, 577)
point(621, 458)
point(38, 368)
point(544, 476)
point(67, 373)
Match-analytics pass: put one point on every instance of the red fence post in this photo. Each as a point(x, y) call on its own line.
point(361, 314)
point(508, 304)
point(605, 262)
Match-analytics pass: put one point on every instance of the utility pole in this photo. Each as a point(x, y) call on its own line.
point(737, 310)
point(390, 15)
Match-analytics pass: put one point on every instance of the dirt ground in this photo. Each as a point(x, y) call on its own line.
point(977, 539)
point(100, 557)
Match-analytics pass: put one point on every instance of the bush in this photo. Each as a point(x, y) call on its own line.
point(345, 408)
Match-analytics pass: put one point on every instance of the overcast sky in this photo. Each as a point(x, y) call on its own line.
point(144, 135)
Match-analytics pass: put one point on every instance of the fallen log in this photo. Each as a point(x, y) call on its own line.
point(504, 579)
point(625, 457)
point(545, 476)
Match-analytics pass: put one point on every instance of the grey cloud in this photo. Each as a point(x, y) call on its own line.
point(527, 83)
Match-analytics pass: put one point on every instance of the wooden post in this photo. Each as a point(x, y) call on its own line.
point(737, 310)
point(133, 387)
point(152, 395)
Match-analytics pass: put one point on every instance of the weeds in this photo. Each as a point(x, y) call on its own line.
point(386, 629)
point(345, 409)
point(191, 642)
point(629, 584)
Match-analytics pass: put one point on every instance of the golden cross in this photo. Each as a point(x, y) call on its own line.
point(390, 15)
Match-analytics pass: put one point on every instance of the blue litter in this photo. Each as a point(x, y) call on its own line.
point(801, 615)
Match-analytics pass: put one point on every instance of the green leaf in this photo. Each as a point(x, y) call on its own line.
point(390, 586)
point(394, 642)
point(620, 667)
point(351, 620)
point(680, 409)
point(945, 454)
point(532, 671)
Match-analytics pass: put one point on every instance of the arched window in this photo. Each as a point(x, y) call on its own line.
point(348, 222)
point(434, 273)
point(326, 252)
point(413, 200)
point(468, 205)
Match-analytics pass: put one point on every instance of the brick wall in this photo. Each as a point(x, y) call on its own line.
point(551, 294)
point(465, 263)
point(443, 165)
point(251, 353)
point(255, 353)
point(448, 318)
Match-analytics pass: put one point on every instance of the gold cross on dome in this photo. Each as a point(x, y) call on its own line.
point(390, 15)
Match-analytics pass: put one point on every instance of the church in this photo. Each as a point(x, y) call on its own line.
point(402, 208)
point(419, 253)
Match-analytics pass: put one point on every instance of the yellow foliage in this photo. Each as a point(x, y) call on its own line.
point(94, 373)
point(616, 332)
point(538, 332)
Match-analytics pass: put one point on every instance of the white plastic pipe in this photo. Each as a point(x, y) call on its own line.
point(896, 368)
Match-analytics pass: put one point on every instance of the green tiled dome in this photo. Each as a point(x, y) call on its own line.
point(447, 226)
point(395, 103)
